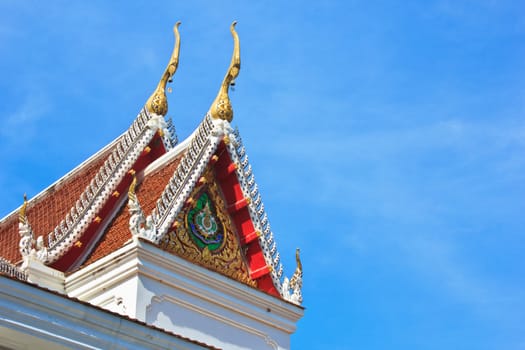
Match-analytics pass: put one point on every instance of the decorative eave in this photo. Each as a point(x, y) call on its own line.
point(102, 187)
point(8, 269)
point(105, 186)
point(260, 220)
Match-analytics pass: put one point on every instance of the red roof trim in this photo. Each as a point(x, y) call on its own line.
point(238, 207)
point(83, 246)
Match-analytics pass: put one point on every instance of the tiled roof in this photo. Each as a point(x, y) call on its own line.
point(147, 191)
point(46, 210)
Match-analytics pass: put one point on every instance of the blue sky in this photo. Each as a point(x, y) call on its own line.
point(387, 138)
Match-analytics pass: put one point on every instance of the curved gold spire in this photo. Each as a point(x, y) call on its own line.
point(221, 107)
point(157, 102)
point(22, 213)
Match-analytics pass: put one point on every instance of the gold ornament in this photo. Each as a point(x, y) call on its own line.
point(158, 102)
point(22, 218)
point(221, 107)
point(227, 259)
point(131, 191)
point(297, 278)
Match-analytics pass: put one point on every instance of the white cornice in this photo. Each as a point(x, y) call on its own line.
point(108, 271)
point(140, 258)
point(36, 318)
point(215, 288)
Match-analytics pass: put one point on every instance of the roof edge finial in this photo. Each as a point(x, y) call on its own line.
point(22, 218)
point(294, 284)
point(158, 103)
point(221, 107)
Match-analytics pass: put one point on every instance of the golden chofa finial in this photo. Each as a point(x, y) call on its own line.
point(22, 213)
point(158, 102)
point(222, 107)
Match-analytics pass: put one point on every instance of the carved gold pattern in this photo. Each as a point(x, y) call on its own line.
point(226, 260)
point(221, 107)
point(158, 102)
point(131, 191)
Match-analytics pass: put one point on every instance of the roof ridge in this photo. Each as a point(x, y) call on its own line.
point(182, 182)
point(125, 152)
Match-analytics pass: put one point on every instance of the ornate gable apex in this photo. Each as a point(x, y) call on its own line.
point(84, 217)
point(204, 232)
point(215, 144)
point(214, 147)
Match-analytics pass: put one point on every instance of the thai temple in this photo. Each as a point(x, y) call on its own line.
point(151, 243)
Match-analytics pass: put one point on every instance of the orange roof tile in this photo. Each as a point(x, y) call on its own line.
point(148, 191)
point(47, 210)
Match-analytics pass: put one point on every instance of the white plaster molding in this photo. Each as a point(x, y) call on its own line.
point(44, 276)
point(138, 258)
point(115, 268)
point(34, 318)
point(143, 275)
point(115, 304)
point(206, 312)
point(215, 288)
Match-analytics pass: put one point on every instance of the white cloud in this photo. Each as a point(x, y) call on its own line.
point(20, 126)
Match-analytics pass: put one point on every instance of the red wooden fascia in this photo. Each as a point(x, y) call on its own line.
point(237, 206)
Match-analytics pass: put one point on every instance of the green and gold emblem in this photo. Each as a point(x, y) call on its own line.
point(205, 228)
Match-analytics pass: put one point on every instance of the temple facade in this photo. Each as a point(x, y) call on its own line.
point(150, 243)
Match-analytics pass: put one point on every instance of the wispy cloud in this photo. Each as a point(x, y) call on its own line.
point(20, 126)
point(425, 182)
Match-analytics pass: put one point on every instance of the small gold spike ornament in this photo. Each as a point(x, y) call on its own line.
point(131, 191)
point(221, 108)
point(22, 213)
point(158, 102)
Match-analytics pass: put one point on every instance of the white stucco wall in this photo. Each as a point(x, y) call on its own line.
point(161, 289)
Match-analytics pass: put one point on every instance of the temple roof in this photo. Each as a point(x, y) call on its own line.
point(198, 200)
point(148, 191)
